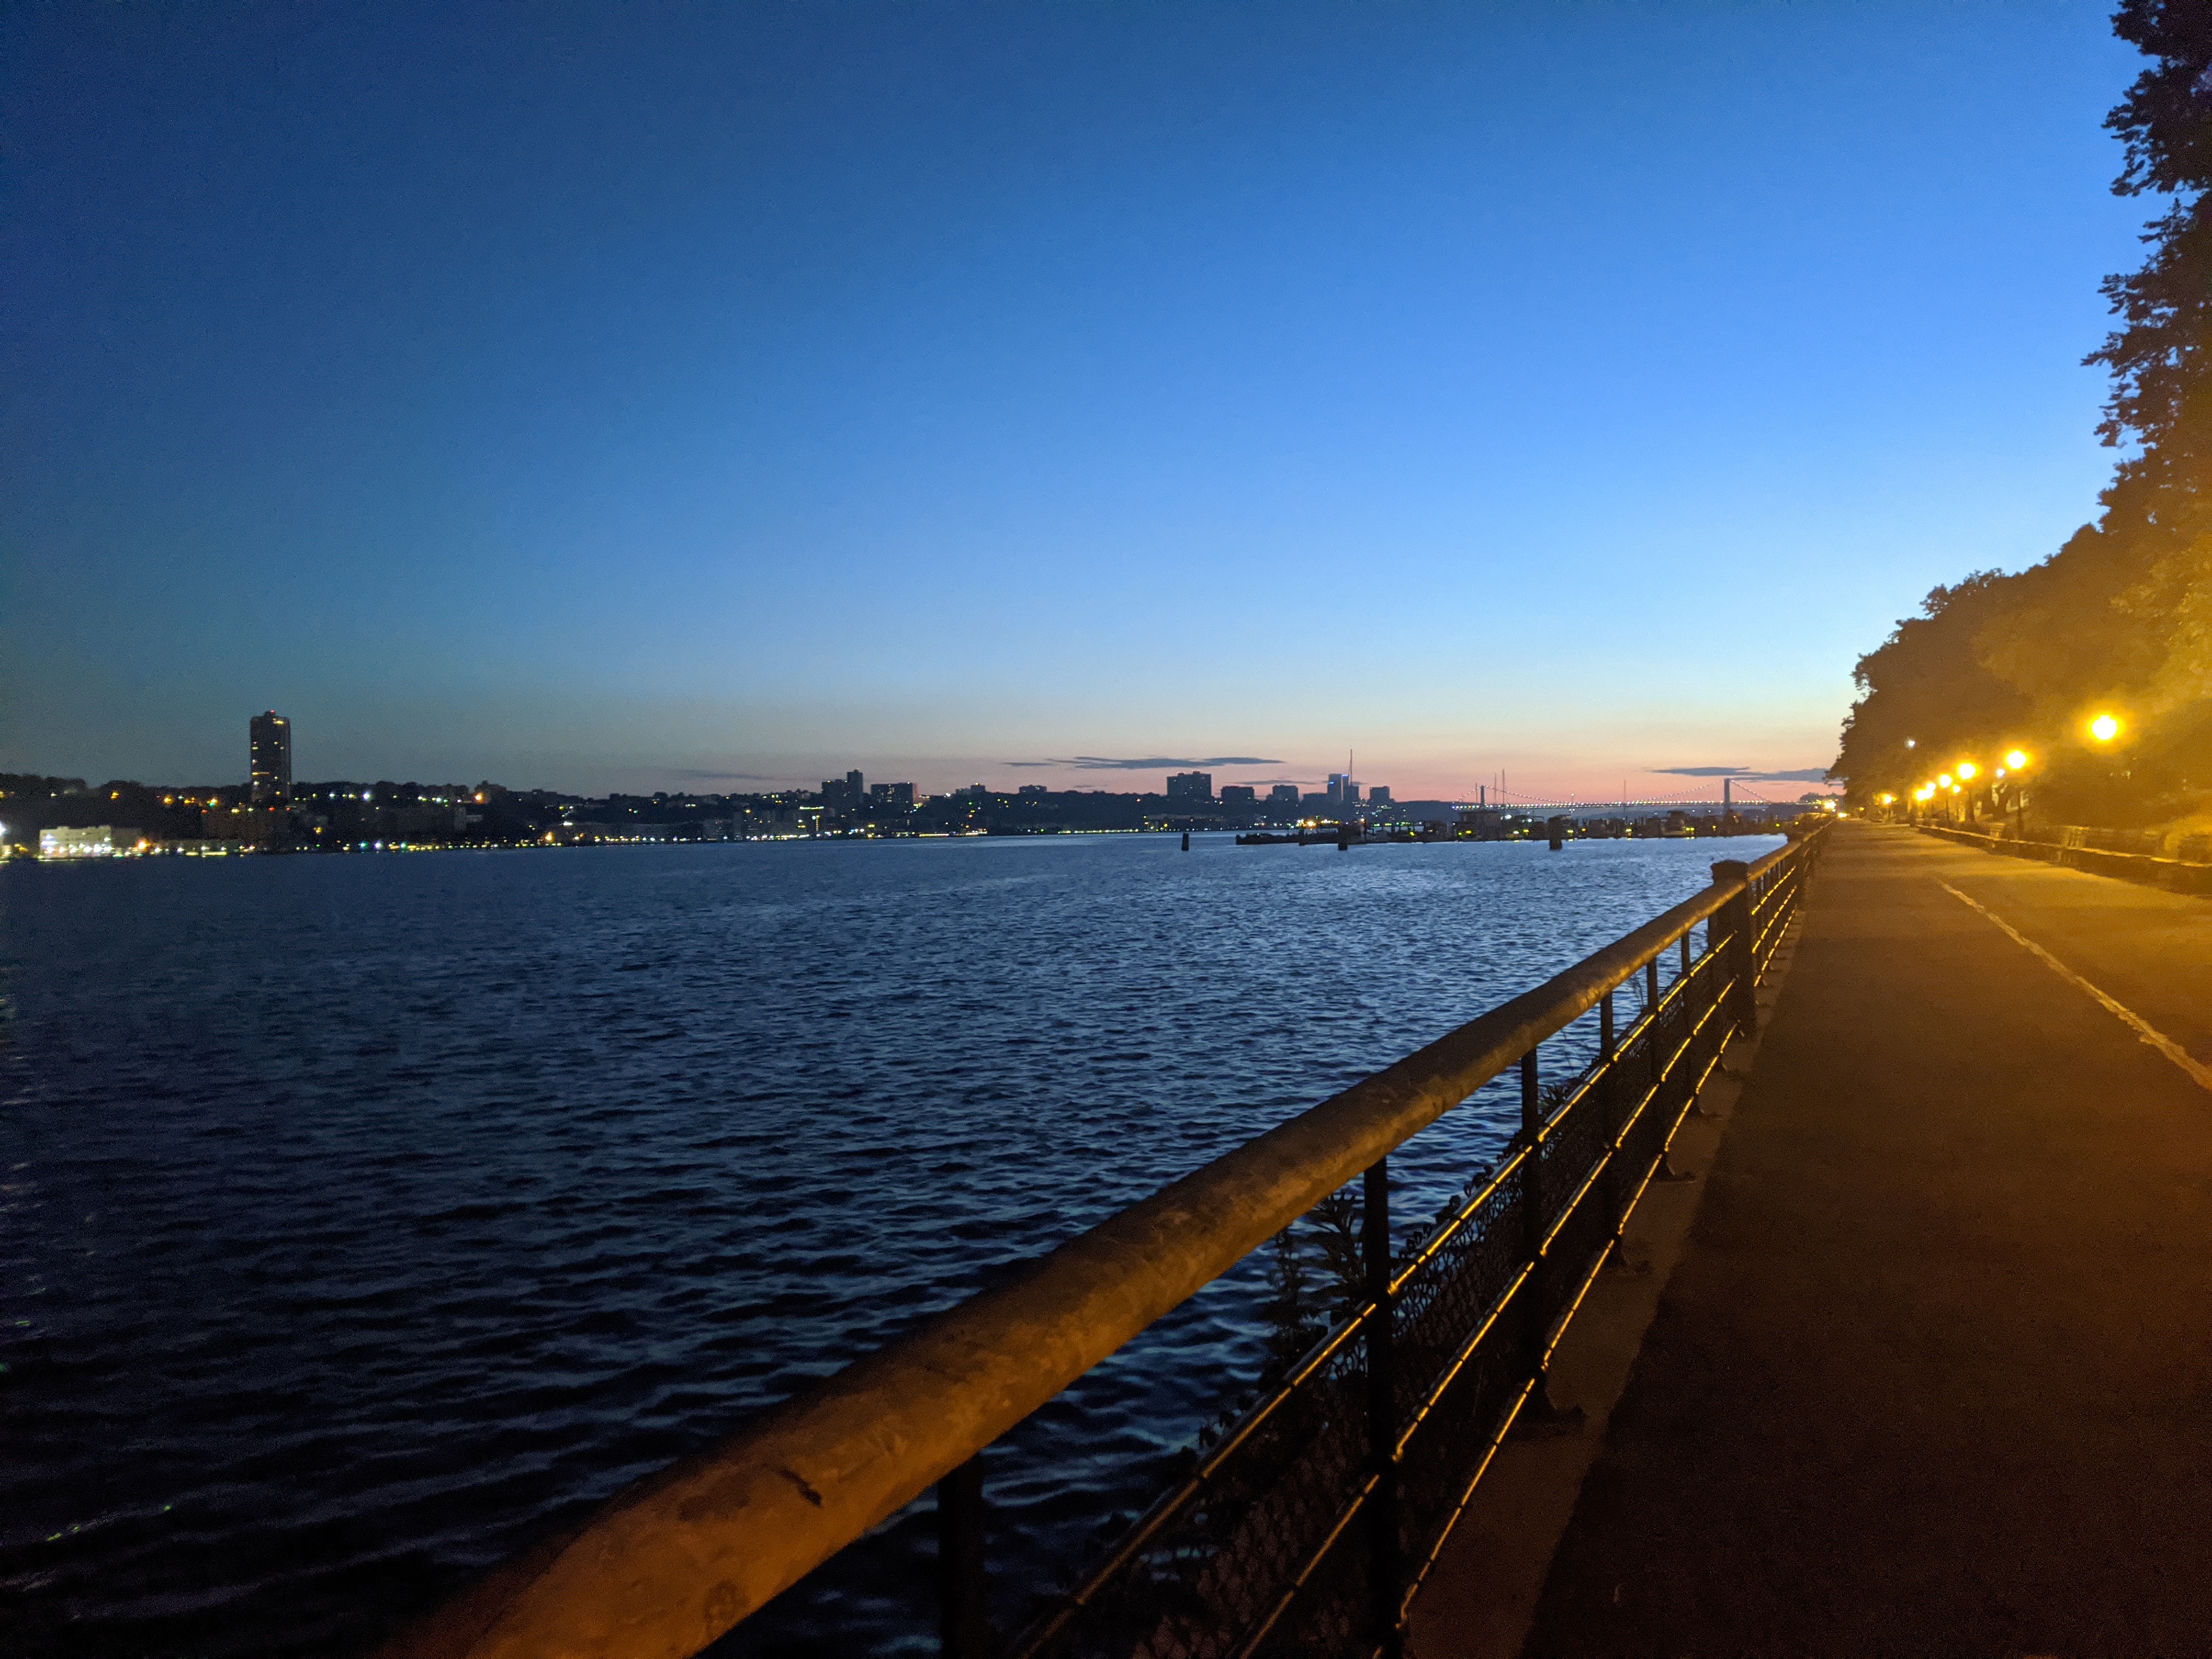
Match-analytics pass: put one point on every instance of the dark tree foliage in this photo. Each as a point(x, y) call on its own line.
point(2166, 306)
point(2120, 618)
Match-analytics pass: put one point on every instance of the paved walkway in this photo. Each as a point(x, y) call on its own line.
point(1934, 1375)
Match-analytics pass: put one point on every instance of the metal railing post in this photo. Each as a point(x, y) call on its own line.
point(1385, 1573)
point(1535, 1313)
point(1740, 970)
point(1609, 1103)
point(964, 1618)
point(1652, 1061)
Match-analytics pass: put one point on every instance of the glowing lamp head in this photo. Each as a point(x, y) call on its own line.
point(1944, 779)
point(1910, 744)
point(2016, 758)
point(2104, 728)
point(1966, 769)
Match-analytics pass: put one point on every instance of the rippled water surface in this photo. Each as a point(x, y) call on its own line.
point(362, 1217)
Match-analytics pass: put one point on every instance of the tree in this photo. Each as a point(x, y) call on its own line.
point(2121, 616)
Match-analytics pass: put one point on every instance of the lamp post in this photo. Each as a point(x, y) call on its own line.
point(2103, 726)
point(2015, 763)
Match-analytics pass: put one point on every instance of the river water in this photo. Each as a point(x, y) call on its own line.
point(360, 1217)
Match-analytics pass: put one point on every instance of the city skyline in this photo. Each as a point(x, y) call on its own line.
point(268, 777)
point(945, 393)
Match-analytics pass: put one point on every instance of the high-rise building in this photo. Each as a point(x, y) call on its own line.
point(856, 784)
point(1240, 794)
point(1342, 791)
point(1191, 786)
point(270, 753)
point(1379, 795)
point(1284, 794)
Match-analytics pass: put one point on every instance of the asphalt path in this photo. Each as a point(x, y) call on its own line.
point(2149, 951)
point(1935, 1372)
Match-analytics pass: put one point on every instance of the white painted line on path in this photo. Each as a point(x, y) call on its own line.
point(2198, 1071)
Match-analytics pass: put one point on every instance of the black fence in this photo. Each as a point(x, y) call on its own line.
point(1306, 1524)
point(1310, 1524)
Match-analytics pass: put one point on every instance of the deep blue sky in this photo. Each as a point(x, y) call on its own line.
point(589, 395)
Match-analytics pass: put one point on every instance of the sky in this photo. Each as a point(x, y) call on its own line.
point(718, 397)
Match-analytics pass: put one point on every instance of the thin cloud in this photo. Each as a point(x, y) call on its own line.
point(1802, 775)
point(1149, 763)
point(711, 777)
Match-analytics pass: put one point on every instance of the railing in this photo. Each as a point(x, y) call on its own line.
point(1311, 1522)
point(2173, 874)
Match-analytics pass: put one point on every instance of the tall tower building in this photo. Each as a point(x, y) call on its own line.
point(270, 749)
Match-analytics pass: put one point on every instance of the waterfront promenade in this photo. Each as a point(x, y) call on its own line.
point(1933, 1372)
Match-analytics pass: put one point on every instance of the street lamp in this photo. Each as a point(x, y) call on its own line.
point(2104, 728)
point(2015, 763)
